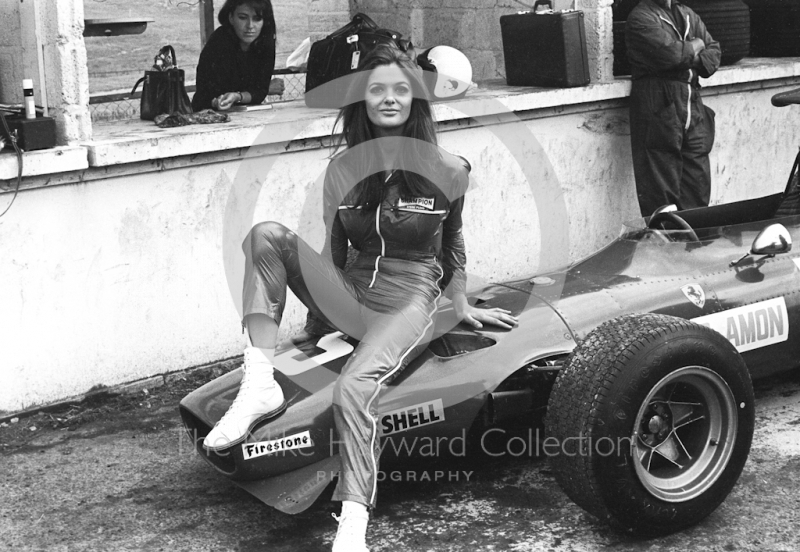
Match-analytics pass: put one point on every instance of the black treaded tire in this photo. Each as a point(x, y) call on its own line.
point(646, 403)
point(620, 50)
point(775, 28)
point(728, 22)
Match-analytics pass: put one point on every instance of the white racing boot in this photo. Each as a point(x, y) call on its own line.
point(260, 397)
point(351, 535)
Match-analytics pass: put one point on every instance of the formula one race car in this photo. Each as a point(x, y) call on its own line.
point(642, 354)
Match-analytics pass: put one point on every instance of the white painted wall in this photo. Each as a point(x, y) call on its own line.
point(121, 278)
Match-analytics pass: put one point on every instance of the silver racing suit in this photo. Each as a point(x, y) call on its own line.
point(410, 249)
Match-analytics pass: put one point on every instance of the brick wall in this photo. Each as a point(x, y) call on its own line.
point(66, 69)
point(325, 16)
point(291, 19)
point(11, 70)
point(473, 26)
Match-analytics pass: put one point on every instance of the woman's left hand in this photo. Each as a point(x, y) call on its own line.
point(476, 317)
point(276, 87)
point(225, 101)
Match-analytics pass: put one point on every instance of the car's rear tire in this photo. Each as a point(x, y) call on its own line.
point(649, 423)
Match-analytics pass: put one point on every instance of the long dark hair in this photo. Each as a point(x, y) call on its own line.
point(263, 9)
point(358, 129)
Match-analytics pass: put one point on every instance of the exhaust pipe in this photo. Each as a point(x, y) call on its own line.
point(504, 405)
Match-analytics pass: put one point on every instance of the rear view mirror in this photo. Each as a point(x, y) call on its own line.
point(772, 240)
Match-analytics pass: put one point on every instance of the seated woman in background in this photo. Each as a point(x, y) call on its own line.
point(237, 61)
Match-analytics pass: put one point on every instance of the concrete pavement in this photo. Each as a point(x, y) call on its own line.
point(129, 480)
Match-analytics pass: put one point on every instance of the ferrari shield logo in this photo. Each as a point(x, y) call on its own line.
point(695, 294)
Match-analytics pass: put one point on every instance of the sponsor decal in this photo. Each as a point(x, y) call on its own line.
point(695, 294)
point(290, 442)
point(412, 416)
point(751, 326)
point(416, 203)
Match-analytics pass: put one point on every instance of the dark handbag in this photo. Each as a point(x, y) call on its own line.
point(339, 54)
point(163, 91)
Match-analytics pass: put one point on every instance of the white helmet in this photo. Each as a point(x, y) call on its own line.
point(448, 72)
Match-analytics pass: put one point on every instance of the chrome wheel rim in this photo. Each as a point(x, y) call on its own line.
point(684, 434)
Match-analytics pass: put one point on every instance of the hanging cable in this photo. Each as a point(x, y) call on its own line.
point(13, 138)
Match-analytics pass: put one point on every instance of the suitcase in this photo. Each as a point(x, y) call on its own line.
point(545, 49)
point(339, 54)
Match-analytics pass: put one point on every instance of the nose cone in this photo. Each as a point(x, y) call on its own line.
point(298, 437)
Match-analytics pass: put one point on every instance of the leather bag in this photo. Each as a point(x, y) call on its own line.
point(163, 91)
point(339, 54)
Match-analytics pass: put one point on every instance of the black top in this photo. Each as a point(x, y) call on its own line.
point(224, 67)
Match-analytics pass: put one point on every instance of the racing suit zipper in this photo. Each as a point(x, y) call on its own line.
point(689, 104)
point(689, 100)
point(378, 229)
point(684, 37)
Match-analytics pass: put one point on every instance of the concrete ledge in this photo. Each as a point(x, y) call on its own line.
point(120, 142)
point(40, 162)
point(754, 70)
point(129, 142)
point(134, 140)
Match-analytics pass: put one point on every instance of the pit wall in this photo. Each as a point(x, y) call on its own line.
point(113, 257)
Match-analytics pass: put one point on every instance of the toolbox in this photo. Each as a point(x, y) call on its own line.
point(32, 134)
point(545, 48)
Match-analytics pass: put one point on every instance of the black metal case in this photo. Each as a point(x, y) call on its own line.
point(545, 49)
point(32, 134)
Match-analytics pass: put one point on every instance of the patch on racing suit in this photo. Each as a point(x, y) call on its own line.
point(751, 326)
point(291, 442)
point(412, 416)
point(416, 203)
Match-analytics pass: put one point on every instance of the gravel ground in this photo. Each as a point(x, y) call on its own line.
point(118, 473)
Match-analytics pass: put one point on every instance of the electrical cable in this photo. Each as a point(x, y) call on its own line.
point(13, 138)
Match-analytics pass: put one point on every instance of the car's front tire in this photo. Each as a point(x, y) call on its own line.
point(650, 422)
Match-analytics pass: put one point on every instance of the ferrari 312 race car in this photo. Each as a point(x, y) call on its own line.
point(642, 354)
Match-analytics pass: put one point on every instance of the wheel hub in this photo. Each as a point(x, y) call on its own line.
point(657, 424)
point(685, 434)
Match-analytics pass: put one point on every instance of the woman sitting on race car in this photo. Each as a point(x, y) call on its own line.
point(397, 198)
